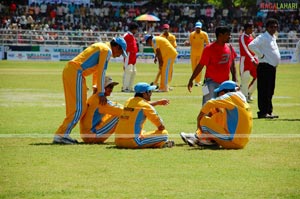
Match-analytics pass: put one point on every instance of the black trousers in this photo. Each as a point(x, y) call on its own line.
point(266, 75)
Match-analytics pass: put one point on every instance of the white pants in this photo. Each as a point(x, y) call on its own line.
point(128, 77)
point(246, 88)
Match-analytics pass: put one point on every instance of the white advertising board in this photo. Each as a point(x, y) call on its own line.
point(32, 56)
point(66, 53)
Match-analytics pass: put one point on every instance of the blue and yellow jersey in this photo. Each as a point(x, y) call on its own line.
point(99, 118)
point(235, 117)
point(171, 38)
point(94, 60)
point(166, 48)
point(131, 122)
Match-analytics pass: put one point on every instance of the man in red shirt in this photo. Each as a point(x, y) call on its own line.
point(248, 62)
point(218, 57)
point(130, 60)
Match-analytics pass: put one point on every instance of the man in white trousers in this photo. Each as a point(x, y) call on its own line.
point(130, 60)
point(248, 63)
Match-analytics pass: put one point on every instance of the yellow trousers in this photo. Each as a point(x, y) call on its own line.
point(75, 97)
point(166, 73)
point(214, 130)
point(151, 139)
point(103, 131)
point(195, 59)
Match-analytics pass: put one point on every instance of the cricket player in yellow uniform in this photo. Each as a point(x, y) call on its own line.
point(198, 40)
point(92, 61)
point(169, 36)
point(100, 120)
point(129, 132)
point(225, 120)
point(172, 39)
point(166, 55)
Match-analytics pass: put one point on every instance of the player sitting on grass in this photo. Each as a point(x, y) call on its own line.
point(130, 133)
point(100, 120)
point(225, 121)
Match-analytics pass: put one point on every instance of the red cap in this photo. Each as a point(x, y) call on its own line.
point(166, 26)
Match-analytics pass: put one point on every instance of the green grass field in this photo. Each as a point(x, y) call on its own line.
point(32, 108)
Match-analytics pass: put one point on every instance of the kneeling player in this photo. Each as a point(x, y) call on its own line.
point(225, 121)
point(100, 121)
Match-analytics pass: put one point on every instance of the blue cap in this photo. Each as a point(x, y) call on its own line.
point(147, 37)
point(227, 85)
point(198, 24)
point(122, 43)
point(143, 87)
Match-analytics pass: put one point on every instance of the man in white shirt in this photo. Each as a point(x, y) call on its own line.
point(265, 48)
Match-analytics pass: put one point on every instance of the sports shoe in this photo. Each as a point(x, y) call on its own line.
point(267, 116)
point(205, 142)
point(249, 98)
point(169, 144)
point(64, 140)
point(274, 116)
point(192, 141)
point(200, 142)
point(125, 90)
point(184, 136)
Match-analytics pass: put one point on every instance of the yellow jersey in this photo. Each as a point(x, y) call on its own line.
point(197, 41)
point(166, 48)
point(171, 38)
point(235, 117)
point(136, 111)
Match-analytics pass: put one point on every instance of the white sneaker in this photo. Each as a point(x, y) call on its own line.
point(192, 141)
point(184, 136)
point(205, 142)
point(249, 99)
point(64, 140)
point(125, 90)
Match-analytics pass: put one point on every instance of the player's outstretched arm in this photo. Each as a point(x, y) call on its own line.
point(162, 102)
point(197, 70)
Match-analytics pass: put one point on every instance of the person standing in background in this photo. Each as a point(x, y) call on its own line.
point(130, 61)
point(218, 58)
point(166, 55)
point(248, 63)
point(265, 48)
point(172, 39)
point(198, 39)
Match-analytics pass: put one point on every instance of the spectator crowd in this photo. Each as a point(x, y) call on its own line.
point(105, 17)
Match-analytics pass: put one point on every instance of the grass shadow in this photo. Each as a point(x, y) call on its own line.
point(277, 119)
point(80, 143)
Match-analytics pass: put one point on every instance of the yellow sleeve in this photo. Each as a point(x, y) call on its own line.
point(104, 57)
point(216, 103)
point(111, 108)
point(191, 35)
point(152, 115)
point(95, 78)
point(174, 41)
point(206, 39)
